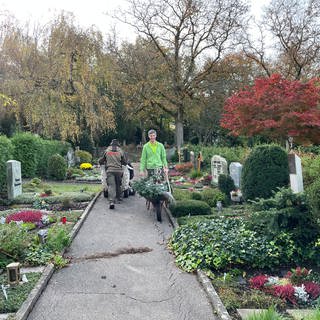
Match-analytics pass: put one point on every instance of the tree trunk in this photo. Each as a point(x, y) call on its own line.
point(179, 130)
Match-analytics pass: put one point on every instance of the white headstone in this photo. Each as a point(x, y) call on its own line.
point(219, 166)
point(14, 182)
point(71, 158)
point(235, 169)
point(295, 170)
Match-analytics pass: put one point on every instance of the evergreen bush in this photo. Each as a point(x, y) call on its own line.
point(265, 169)
point(27, 147)
point(196, 196)
point(6, 153)
point(313, 198)
point(57, 167)
point(226, 184)
point(192, 207)
point(212, 195)
point(84, 156)
point(286, 212)
point(48, 148)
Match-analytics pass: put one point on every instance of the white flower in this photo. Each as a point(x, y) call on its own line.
point(272, 281)
point(300, 293)
point(45, 219)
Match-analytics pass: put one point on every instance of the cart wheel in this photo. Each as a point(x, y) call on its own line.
point(158, 211)
point(132, 192)
point(105, 193)
point(126, 193)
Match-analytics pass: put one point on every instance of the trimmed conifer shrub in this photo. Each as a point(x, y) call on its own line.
point(265, 170)
point(57, 167)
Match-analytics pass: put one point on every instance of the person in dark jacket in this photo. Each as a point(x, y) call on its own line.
point(113, 159)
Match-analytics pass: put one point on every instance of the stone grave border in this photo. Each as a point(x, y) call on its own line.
point(28, 304)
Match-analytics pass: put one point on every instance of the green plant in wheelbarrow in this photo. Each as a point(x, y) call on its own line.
point(155, 191)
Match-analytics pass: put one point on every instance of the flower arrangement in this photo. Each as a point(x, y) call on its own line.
point(25, 216)
point(183, 167)
point(293, 288)
point(86, 166)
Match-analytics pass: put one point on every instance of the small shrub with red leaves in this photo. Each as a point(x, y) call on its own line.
point(313, 289)
point(258, 282)
point(25, 216)
point(285, 292)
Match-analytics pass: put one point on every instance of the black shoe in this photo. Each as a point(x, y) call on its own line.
point(111, 206)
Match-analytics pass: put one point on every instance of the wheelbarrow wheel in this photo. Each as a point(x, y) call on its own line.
point(157, 206)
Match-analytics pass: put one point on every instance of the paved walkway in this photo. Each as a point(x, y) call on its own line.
point(121, 269)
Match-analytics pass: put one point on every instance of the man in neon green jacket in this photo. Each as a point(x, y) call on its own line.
point(153, 156)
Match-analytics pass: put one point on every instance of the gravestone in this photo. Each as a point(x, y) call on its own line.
point(219, 166)
point(295, 171)
point(235, 169)
point(186, 155)
point(14, 182)
point(193, 160)
point(171, 152)
point(71, 158)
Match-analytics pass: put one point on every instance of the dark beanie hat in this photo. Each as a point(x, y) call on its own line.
point(115, 142)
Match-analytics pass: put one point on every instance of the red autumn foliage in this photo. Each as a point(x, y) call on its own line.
point(25, 216)
point(297, 275)
point(276, 108)
point(313, 289)
point(258, 282)
point(285, 292)
point(183, 167)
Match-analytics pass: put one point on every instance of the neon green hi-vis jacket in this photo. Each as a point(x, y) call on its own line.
point(152, 158)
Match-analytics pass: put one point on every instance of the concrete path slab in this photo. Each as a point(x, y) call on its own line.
point(121, 269)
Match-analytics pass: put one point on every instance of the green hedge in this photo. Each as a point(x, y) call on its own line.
point(47, 148)
point(6, 153)
point(192, 207)
point(26, 150)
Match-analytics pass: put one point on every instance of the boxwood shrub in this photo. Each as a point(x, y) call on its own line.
point(192, 207)
point(57, 167)
point(212, 195)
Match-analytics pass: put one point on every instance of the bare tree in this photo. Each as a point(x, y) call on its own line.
point(185, 33)
point(295, 30)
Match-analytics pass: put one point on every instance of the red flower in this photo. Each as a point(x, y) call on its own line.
point(25, 216)
point(258, 282)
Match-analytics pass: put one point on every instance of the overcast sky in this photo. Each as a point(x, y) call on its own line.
point(87, 13)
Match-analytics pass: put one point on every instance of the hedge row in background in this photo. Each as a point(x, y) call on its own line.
point(6, 153)
point(32, 151)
